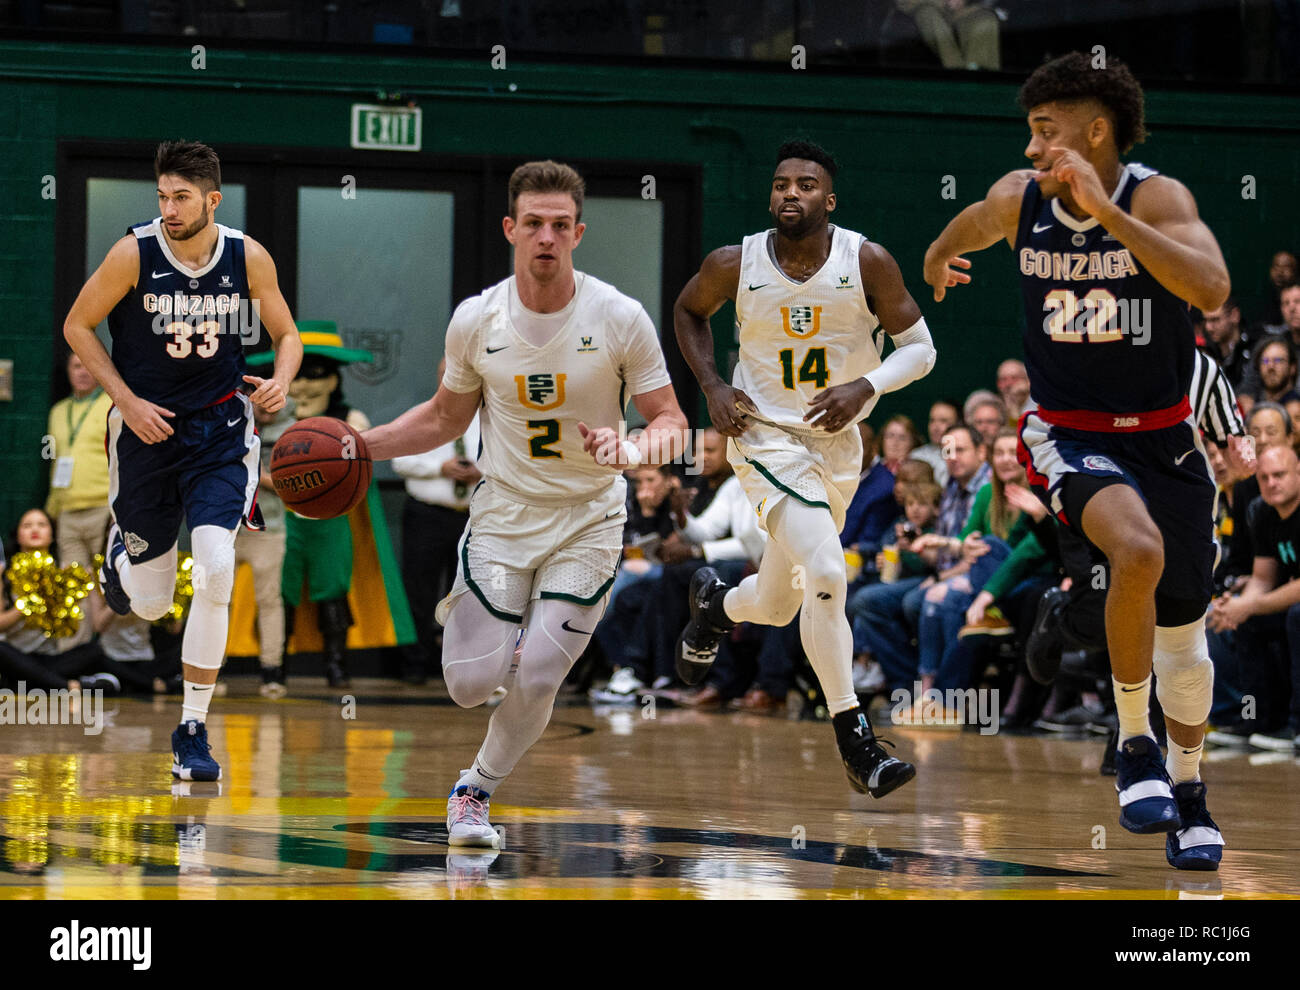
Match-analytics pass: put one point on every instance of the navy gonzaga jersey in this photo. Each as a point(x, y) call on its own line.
point(178, 335)
point(1101, 334)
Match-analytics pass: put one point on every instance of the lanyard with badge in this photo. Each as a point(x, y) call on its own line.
point(63, 465)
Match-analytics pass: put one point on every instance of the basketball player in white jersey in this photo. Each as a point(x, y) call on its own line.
point(546, 352)
point(813, 303)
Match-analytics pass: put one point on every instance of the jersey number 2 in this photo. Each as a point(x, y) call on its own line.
point(182, 345)
point(812, 370)
point(539, 446)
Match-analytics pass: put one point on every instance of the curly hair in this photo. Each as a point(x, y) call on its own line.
point(1073, 77)
point(807, 151)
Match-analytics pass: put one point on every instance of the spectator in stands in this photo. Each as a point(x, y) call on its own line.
point(985, 411)
point(1013, 387)
point(874, 508)
point(1275, 373)
point(963, 33)
point(944, 415)
point(914, 472)
point(1282, 271)
point(921, 507)
point(1266, 612)
point(263, 551)
point(435, 511)
point(1288, 324)
point(884, 616)
point(626, 640)
point(1269, 425)
point(27, 655)
point(1227, 342)
point(992, 531)
point(78, 498)
point(711, 463)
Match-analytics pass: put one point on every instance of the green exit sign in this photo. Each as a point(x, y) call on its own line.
point(385, 128)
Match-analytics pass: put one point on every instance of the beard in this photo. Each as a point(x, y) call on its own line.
point(187, 232)
point(808, 223)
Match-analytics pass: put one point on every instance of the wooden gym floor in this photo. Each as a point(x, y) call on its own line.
point(609, 804)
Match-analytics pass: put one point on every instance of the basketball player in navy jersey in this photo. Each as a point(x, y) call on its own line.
point(1111, 256)
point(178, 293)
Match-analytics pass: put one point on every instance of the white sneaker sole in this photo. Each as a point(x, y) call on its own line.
point(490, 840)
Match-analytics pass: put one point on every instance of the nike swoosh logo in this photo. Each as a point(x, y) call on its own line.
point(162, 274)
point(232, 422)
point(1179, 460)
point(202, 687)
point(611, 515)
point(753, 288)
point(565, 625)
point(493, 350)
point(1039, 230)
point(1130, 690)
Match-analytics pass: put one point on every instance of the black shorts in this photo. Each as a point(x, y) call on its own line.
point(1169, 471)
point(206, 472)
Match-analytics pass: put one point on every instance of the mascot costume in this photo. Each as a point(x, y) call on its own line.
point(354, 595)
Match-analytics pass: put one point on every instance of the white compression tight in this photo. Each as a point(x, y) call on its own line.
point(803, 565)
point(152, 587)
point(478, 650)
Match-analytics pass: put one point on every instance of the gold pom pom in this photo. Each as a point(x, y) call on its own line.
point(49, 595)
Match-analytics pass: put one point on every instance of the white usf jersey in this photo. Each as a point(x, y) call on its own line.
point(533, 397)
point(798, 338)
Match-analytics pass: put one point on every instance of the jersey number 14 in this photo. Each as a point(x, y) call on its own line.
point(813, 368)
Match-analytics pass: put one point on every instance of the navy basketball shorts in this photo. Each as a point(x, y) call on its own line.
point(1166, 467)
point(206, 473)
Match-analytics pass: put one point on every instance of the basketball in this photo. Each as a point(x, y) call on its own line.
point(320, 467)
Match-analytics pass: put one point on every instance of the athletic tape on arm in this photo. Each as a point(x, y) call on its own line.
point(912, 358)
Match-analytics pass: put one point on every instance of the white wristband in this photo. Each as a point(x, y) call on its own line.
point(633, 453)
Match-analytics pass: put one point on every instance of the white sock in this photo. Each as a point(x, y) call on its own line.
point(1133, 705)
point(195, 704)
point(1183, 764)
point(476, 776)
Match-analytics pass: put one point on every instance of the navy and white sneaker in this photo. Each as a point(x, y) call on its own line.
point(1198, 845)
point(1146, 802)
point(109, 582)
point(869, 768)
point(697, 646)
point(191, 754)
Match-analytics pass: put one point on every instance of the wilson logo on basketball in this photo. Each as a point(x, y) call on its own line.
point(541, 392)
point(295, 483)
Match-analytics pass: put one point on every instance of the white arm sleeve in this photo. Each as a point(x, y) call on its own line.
point(912, 358)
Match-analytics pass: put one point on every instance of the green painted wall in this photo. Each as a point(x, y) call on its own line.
point(896, 138)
